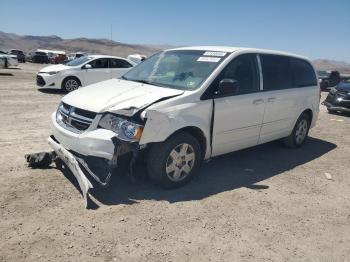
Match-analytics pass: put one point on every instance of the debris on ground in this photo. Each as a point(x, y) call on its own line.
point(328, 176)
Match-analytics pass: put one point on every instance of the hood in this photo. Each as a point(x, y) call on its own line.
point(343, 86)
point(118, 96)
point(54, 68)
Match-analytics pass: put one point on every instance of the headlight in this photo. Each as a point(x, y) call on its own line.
point(52, 72)
point(124, 129)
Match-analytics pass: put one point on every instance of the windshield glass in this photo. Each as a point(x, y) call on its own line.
point(79, 61)
point(179, 69)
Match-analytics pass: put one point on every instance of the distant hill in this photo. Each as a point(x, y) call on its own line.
point(104, 46)
point(95, 46)
point(324, 64)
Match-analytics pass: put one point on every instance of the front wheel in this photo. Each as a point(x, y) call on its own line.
point(173, 162)
point(300, 132)
point(70, 84)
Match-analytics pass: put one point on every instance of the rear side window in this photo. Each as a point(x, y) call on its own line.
point(304, 75)
point(277, 73)
point(99, 63)
point(119, 63)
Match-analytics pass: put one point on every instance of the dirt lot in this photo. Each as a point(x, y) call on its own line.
point(267, 203)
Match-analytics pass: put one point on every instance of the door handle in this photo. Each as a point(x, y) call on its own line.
point(271, 99)
point(258, 101)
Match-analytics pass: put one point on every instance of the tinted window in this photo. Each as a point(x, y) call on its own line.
point(119, 63)
point(243, 69)
point(304, 74)
point(277, 72)
point(99, 63)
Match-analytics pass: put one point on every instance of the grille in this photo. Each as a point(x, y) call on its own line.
point(74, 119)
point(40, 80)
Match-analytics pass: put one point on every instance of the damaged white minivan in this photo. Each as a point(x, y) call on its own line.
point(183, 106)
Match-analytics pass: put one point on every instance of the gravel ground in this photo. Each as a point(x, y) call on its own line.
point(266, 203)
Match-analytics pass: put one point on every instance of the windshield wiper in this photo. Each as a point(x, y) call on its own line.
point(144, 82)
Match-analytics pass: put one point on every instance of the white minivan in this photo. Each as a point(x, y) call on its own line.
point(82, 71)
point(182, 106)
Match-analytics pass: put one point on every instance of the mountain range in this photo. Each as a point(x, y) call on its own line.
point(29, 43)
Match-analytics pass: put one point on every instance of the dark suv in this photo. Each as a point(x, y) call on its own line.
point(20, 55)
point(38, 57)
point(338, 98)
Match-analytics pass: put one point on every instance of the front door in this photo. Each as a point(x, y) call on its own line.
point(238, 118)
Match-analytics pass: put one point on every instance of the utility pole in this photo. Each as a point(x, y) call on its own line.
point(111, 38)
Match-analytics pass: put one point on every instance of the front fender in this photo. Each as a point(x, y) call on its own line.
point(161, 124)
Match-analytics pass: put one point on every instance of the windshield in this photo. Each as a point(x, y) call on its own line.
point(179, 69)
point(79, 61)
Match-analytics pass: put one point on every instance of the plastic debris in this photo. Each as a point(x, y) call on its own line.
point(328, 176)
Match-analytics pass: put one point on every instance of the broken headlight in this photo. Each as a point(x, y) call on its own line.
point(124, 129)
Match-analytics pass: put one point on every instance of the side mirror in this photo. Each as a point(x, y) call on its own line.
point(87, 66)
point(228, 86)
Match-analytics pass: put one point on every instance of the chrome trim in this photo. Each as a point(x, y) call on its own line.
point(260, 73)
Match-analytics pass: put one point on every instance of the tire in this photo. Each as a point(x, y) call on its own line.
point(161, 156)
point(300, 132)
point(70, 84)
point(330, 111)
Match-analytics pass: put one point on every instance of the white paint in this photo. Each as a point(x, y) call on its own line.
point(239, 122)
point(86, 76)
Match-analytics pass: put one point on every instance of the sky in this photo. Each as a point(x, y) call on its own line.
point(317, 29)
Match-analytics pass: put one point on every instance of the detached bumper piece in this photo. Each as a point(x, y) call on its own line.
point(88, 170)
point(69, 159)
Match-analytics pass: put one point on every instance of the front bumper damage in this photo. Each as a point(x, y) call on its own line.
point(71, 162)
point(88, 170)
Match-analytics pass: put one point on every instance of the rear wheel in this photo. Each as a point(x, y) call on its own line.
point(70, 84)
point(173, 163)
point(300, 132)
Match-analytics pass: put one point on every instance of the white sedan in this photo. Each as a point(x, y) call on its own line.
point(8, 60)
point(83, 71)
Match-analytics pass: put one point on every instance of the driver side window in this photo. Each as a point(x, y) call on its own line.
point(244, 70)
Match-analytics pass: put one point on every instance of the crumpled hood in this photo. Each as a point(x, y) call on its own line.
point(54, 68)
point(118, 96)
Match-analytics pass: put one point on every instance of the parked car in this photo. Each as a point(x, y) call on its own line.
point(9, 60)
point(38, 57)
point(136, 58)
point(338, 99)
point(20, 55)
point(327, 82)
point(182, 106)
point(2, 62)
point(73, 56)
point(83, 71)
point(58, 59)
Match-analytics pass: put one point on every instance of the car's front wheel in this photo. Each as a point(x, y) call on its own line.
point(70, 84)
point(173, 162)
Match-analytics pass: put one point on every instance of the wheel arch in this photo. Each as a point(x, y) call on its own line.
point(309, 113)
point(197, 133)
point(69, 76)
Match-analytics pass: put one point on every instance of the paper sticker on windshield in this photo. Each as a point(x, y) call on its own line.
point(213, 53)
point(209, 59)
